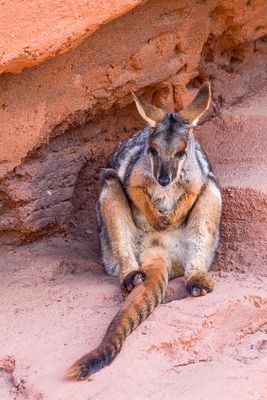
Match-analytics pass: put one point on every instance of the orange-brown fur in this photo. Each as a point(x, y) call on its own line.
point(141, 200)
point(117, 201)
point(182, 208)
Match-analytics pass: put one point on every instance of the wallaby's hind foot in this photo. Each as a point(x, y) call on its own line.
point(199, 284)
point(131, 280)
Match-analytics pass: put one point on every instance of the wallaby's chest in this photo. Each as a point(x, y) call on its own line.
point(165, 199)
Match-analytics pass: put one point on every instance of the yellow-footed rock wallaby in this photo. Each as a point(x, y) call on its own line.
point(159, 213)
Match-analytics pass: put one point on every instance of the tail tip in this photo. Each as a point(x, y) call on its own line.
point(92, 362)
point(76, 372)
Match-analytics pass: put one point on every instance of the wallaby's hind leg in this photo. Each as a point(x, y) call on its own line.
point(203, 229)
point(117, 233)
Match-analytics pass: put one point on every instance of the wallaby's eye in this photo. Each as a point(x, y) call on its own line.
point(180, 154)
point(152, 151)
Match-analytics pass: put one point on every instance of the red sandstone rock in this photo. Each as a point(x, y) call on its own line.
point(33, 31)
point(236, 143)
point(166, 46)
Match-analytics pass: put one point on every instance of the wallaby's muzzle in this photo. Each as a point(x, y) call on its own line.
point(164, 174)
point(164, 180)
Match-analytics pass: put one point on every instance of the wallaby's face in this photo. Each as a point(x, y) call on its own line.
point(168, 141)
point(167, 149)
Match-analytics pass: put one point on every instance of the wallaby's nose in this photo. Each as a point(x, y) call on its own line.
point(164, 180)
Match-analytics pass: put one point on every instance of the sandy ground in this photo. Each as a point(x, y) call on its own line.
point(57, 302)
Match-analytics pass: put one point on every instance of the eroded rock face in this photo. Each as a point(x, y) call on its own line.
point(42, 193)
point(35, 31)
point(171, 43)
point(164, 51)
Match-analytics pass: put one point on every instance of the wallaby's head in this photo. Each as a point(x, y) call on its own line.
point(170, 135)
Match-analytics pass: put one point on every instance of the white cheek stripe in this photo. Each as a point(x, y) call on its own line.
point(124, 164)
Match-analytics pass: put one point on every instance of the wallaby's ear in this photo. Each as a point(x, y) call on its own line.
point(198, 106)
point(151, 114)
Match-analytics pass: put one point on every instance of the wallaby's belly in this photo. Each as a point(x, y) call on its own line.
point(176, 242)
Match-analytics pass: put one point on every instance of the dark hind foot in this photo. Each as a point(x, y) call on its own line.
point(131, 280)
point(199, 284)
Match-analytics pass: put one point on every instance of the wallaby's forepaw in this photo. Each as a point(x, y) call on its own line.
point(199, 284)
point(131, 280)
point(160, 222)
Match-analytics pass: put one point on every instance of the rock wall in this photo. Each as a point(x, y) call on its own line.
point(62, 117)
point(34, 31)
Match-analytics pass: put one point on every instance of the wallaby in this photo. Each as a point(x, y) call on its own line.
point(159, 214)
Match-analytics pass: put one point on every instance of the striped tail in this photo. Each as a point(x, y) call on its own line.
point(140, 303)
